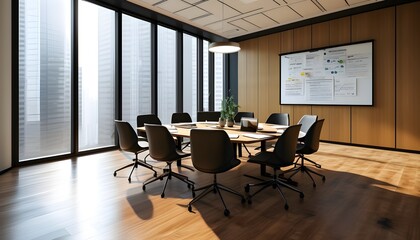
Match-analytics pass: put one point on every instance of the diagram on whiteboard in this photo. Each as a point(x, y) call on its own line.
point(333, 76)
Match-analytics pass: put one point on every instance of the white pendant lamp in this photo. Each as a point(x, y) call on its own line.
point(224, 47)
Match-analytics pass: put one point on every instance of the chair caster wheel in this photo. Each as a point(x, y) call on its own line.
point(227, 213)
point(301, 195)
point(144, 188)
point(162, 195)
point(193, 194)
point(286, 206)
point(155, 174)
point(243, 200)
point(161, 178)
point(189, 208)
point(129, 180)
point(115, 174)
point(323, 178)
point(249, 201)
point(214, 190)
point(189, 186)
point(314, 185)
point(247, 188)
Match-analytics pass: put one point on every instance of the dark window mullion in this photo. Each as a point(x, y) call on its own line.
point(118, 67)
point(154, 53)
point(179, 72)
point(211, 81)
point(200, 75)
point(75, 80)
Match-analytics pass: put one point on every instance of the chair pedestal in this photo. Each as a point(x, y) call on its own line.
point(169, 174)
point(275, 183)
point(215, 187)
point(135, 164)
point(305, 169)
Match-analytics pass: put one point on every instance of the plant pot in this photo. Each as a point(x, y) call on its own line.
point(230, 123)
point(222, 122)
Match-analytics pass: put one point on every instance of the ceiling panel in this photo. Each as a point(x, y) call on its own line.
point(306, 8)
point(233, 18)
point(192, 12)
point(283, 15)
point(330, 5)
point(260, 20)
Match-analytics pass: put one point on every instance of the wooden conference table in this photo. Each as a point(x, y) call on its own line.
point(237, 137)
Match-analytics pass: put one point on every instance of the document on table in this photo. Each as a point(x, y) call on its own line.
point(233, 136)
point(256, 136)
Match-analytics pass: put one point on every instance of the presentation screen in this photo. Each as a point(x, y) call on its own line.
point(340, 75)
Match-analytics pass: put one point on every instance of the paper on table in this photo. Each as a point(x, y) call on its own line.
point(233, 136)
point(256, 136)
point(279, 126)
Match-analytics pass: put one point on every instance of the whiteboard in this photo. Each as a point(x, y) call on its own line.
point(340, 75)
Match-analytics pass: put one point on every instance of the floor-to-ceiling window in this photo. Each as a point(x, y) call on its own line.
point(166, 83)
point(190, 75)
point(136, 68)
point(218, 81)
point(44, 78)
point(206, 90)
point(96, 76)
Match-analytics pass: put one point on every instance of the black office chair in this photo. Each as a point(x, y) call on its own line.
point(162, 147)
point(143, 119)
point(208, 116)
point(216, 159)
point(237, 119)
point(279, 118)
point(283, 155)
point(128, 142)
point(309, 146)
point(306, 121)
point(183, 117)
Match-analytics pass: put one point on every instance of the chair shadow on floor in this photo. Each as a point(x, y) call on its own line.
point(346, 206)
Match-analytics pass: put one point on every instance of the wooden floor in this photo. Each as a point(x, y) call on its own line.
point(368, 194)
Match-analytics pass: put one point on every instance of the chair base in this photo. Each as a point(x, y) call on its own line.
point(305, 169)
point(275, 183)
point(135, 164)
point(214, 187)
point(169, 174)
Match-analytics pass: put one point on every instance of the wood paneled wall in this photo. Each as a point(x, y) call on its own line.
point(391, 122)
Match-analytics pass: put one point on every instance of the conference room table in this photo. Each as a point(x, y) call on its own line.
point(237, 137)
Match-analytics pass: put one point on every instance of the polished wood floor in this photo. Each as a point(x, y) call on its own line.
point(368, 194)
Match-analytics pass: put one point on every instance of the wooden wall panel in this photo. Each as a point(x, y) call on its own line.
point(376, 125)
point(242, 78)
point(286, 45)
point(274, 73)
point(263, 100)
point(301, 41)
point(408, 84)
point(252, 78)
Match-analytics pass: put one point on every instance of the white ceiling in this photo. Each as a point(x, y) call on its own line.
point(233, 18)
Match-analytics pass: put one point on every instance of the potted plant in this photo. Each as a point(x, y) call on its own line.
point(228, 111)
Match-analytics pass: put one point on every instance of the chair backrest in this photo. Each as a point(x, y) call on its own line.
point(149, 119)
point(127, 137)
point(181, 117)
point(211, 150)
point(285, 148)
point(208, 116)
point(240, 115)
point(311, 141)
point(279, 118)
point(307, 121)
point(162, 146)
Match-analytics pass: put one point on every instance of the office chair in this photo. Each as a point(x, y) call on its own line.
point(183, 117)
point(216, 159)
point(279, 118)
point(283, 155)
point(208, 116)
point(306, 121)
point(162, 147)
point(128, 142)
point(237, 119)
point(143, 119)
point(309, 146)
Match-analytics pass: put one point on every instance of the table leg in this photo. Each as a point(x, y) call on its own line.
point(263, 171)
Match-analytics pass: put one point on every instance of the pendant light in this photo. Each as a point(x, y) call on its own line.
point(224, 47)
